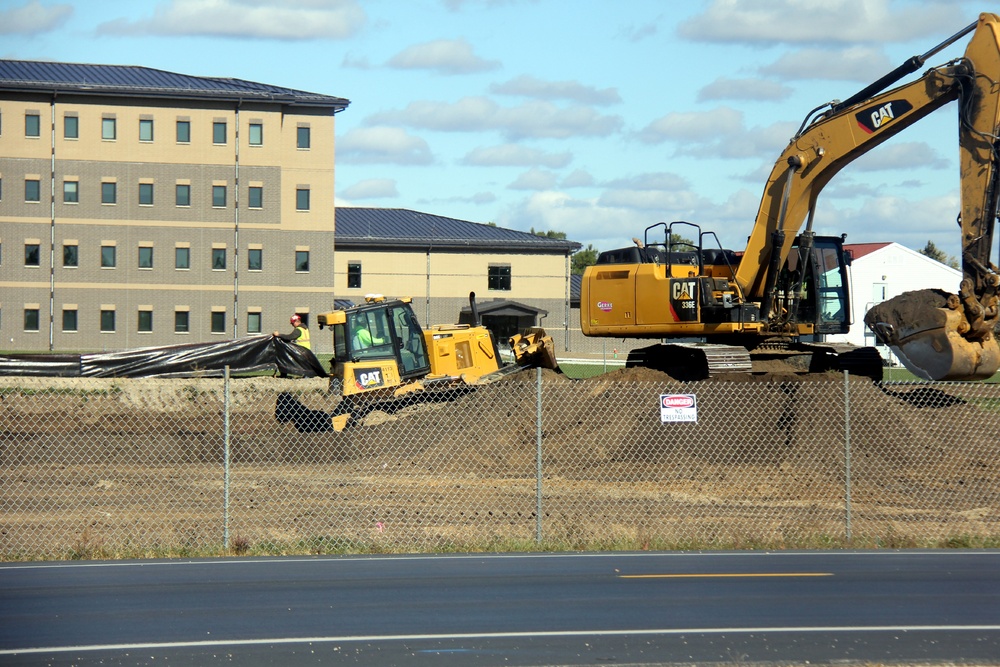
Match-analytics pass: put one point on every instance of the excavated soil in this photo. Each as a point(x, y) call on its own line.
point(766, 460)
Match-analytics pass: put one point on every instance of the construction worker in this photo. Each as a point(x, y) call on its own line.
point(299, 333)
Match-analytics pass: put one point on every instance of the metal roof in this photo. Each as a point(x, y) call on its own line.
point(136, 81)
point(398, 227)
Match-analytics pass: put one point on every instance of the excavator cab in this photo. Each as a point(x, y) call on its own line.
point(811, 290)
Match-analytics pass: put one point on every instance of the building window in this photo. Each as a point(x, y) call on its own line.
point(71, 255)
point(256, 134)
point(32, 125)
point(32, 190)
point(71, 192)
point(109, 256)
point(218, 259)
point(218, 322)
point(145, 194)
point(109, 193)
point(219, 196)
point(145, 324)
point(70, 319)
point(31, 319)
point(498, 277)
point(182, 195)
point(183, 131)
point(182, 258)
point(255, 259)
point(302, 261)
point(107, 320)
point(145, 129)
point(218, 132)
point(146, 257)
point(302, 199)
point(302, 138)
point(109, 129)
point(32, 254)
point(182, 321)
point(253, 323)
point(71, 128)
point(256, 199)
point(354, 275)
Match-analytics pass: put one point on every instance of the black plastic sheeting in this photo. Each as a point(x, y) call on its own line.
point(244, 355)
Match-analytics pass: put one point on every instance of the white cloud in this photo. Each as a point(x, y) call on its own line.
point(899, 156)
point(479, 199)
point(725, 88)
point(529, 86)
point(580, 178)
point(534, 179)
point(639, 32)
point(694, 126)
point(652, 181)
point(909, 221)
point(382, 145)
point(373, 188)
point(289, 20)
point(513, 155)
point(717, 133)
point(476, 114)
point(33, 18)
point(856, 63)
point(457, 5)
point(803, 21)
point(446, 56)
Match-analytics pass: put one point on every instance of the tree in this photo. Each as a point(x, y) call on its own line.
point(938, 255)
point(550, 234)
point(582, 259)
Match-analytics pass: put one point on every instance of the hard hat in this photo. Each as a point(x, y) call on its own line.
point(294, 319)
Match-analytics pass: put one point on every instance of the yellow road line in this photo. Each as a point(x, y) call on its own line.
point(725, 575)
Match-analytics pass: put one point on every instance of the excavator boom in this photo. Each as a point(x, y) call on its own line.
point(942, 336)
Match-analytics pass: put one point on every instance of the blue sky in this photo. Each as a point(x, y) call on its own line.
point(597, 119)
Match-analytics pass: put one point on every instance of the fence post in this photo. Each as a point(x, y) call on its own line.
point(225, 459)
point(538, 454)
point(847, 453)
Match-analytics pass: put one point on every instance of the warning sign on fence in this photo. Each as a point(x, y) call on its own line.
point(678, 408)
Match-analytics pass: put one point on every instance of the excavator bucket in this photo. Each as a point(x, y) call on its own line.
point(922, 329)
point(534, 348)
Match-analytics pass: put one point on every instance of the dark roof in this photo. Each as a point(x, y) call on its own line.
point(135, 81)
point(398, 227)
point(502, 307)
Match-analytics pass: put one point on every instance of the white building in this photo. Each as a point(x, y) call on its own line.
point(880, 271)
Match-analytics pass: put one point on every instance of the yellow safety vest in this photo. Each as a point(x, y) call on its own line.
point(303, 338)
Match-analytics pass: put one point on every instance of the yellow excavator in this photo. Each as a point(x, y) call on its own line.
point(382, 354)
point(778, 298)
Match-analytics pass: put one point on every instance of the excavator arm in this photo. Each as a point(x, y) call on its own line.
point(943, 336)
point(955, 344)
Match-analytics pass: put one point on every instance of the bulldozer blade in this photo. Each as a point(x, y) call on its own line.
point(534, 348)
point(923, 331)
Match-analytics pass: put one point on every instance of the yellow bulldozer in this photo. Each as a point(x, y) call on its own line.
point(382, 354)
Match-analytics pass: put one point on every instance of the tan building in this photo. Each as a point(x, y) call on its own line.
point(519, 279)
point(143, 208)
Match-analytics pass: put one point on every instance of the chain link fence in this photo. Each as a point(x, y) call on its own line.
point(94, 468)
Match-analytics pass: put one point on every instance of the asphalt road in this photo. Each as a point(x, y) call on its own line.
point(509, 609)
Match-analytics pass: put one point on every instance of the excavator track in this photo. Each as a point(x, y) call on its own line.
point(692, 361)
point(700, 361)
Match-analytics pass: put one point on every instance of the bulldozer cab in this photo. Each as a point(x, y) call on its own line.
point(386, 330)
